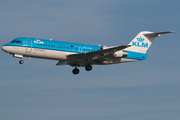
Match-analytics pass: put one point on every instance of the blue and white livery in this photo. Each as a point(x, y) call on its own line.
point(82, 55)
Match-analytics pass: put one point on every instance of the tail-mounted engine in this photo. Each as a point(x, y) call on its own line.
point(120, 53)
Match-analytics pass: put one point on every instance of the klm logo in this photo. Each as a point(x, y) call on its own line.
point(38, 41)
point(140, 43)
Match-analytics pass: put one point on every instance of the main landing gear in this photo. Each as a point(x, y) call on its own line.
point(75, 71)
point(87, 68)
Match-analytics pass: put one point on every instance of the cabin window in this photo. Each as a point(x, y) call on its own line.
point(40, 44)
point(56, 46)
point(51, 45)
point(46, 45)
point(59, 47)
point(76, 48)
point(62, 46)
point(67, 47)
point(43, 44)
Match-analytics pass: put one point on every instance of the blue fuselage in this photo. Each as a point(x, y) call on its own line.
point(57, 50)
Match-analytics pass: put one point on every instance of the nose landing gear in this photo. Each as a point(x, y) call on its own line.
point(21, 62)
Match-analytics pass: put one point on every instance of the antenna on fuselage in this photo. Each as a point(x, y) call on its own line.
point(50, 39)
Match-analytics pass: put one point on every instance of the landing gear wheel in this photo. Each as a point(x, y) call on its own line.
point(75, 71)
point(21, 62)
point(88, 67)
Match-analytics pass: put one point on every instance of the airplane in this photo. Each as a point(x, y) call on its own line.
point(82, 55)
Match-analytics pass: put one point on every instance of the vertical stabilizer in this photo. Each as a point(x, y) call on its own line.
point(143, 41)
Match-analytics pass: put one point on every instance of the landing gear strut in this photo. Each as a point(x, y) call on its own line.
point(21, 62)
point(75, 71)
point(88, 67)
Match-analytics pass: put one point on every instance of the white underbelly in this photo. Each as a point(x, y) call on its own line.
point(40, 53)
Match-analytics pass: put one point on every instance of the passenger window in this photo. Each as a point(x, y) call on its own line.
point(59, 47)
point(43, 44)
point(48, 45)
point(67, 47)
point(56, 46)
point(51, 45)
point(38, 44)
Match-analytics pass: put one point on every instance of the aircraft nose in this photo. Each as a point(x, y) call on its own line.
point(4, 48)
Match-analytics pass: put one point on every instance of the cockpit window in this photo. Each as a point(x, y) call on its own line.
point(13, 41)
point(16, 41)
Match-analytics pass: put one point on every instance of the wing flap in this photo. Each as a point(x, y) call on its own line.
point(61, 63)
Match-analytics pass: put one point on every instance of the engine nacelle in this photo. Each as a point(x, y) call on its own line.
point(119, 53)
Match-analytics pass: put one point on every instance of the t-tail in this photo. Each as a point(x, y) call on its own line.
point(143, 41)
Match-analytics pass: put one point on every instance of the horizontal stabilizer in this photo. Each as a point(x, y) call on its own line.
point(157, 34)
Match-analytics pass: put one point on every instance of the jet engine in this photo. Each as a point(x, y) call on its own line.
point(119, 53)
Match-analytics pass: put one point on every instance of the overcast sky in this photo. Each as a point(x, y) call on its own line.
point(39, 90)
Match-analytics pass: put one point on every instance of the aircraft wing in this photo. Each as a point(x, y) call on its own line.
point(93, 54)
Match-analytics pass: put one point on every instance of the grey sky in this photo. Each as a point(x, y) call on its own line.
point(132, 91)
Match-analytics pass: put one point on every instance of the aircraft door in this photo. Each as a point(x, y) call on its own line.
point(80, 49)
point(28, 45)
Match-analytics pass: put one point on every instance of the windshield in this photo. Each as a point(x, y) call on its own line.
point(16, 41)
point(13, 41)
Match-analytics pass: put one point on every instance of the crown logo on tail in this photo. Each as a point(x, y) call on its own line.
point(140, 39)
